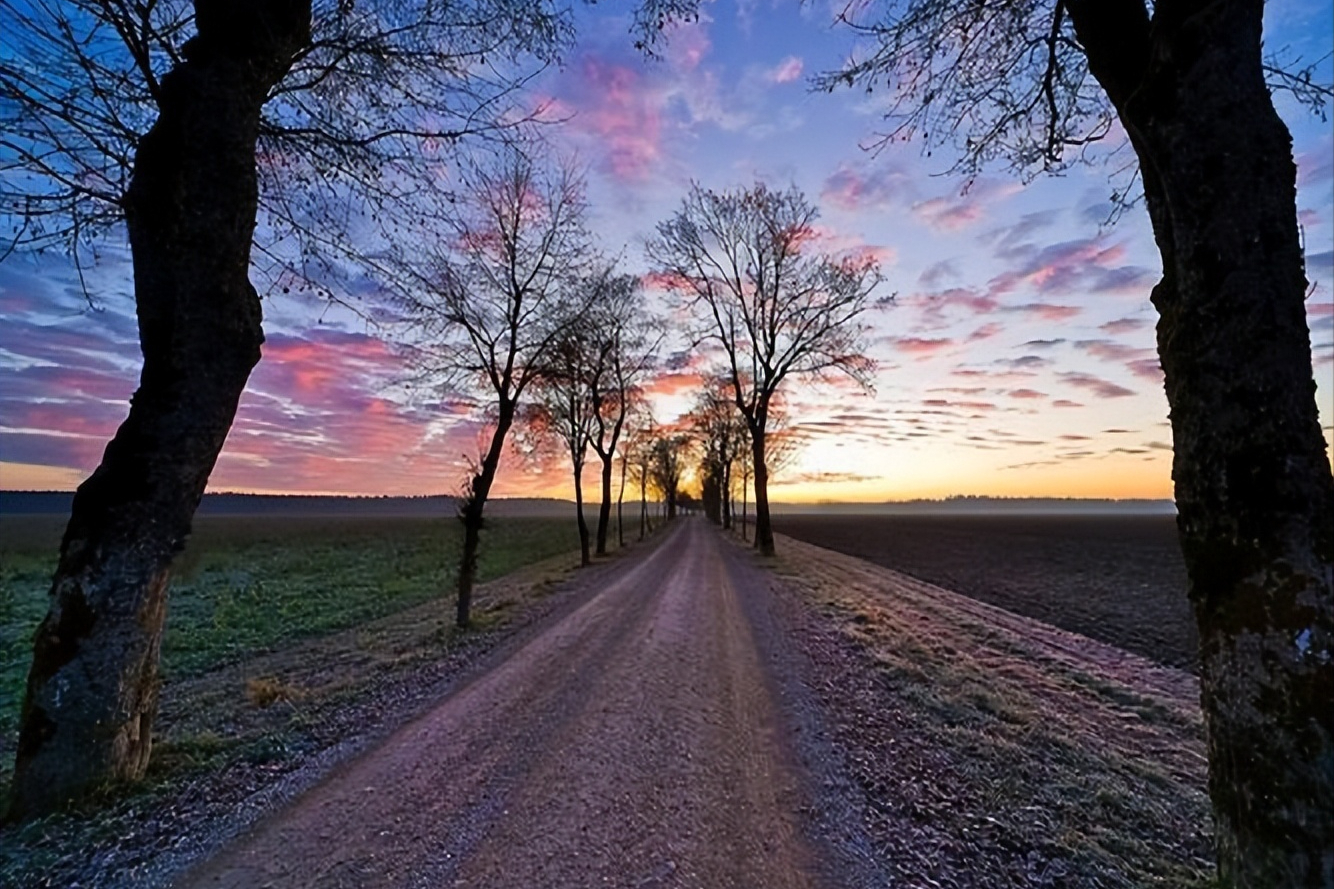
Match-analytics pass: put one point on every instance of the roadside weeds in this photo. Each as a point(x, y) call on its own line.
point(237, 741)
point(993, 750)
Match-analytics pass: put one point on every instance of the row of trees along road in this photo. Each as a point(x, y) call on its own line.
point(498, 302)
point(588, 387)
point(768, 299)
point(722, 440)
point(150, 114)
point(1030, 84)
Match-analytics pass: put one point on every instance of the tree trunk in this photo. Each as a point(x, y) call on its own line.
point(745, 503)
point(470, 513)
point(764, 534)
point(727, 496)
point(643, 502)
point(620, 512)
point(604, 510)
point(584, 558)
point(1254, 493)
point(92, 691)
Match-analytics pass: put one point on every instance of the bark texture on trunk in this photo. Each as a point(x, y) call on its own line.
point(1254, 492)
point(471, 514)
point(92, 691)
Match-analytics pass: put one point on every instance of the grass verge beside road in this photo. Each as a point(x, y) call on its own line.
point(247, 585)
point(243, 727)
point(993, 750)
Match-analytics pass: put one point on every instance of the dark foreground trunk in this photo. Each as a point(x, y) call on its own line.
point(92, 691)
point(764, 532)
point(584, 558)
point(604, 511)
point(1254, 493)
point(471, 514)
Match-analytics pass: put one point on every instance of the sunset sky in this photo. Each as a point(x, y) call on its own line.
point(1016, 359)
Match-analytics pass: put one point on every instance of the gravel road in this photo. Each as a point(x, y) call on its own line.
point(643, 740)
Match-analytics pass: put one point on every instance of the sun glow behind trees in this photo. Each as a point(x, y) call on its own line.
point(1020, 339)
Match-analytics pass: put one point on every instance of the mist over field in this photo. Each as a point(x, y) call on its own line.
point(58, 503)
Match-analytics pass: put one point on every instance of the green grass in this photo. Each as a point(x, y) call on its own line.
point(247, 585)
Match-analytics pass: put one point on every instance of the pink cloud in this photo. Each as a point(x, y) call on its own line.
point(948, 215)
point(848, 247)
point(954, 213)
point(620, 115)
point(687, 44)
point(966, 405)
point(1146, 369)
point(1112, 351)
point(1047, 311)
point(674, 383)
point(1065, 402)
point(1085, 266)
point(326, 362)
point(785, 71)
point(919, 345)
point(860, 188)
point(1123, 325)
point(933, 305)
point(985, 332)
point(1098, 386)
point(1026, 393)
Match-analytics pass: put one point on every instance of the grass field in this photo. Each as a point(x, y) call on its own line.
point(1116, 578)
point(997, 751)
point(249, 584)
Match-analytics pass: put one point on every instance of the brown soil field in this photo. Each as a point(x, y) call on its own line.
point(1118, 579)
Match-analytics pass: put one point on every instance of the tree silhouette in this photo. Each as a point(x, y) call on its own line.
point(623, 340)
point(493, 299)
point(563, 411)
point(721, 433)
point(746, 264)
point(1030, 84)
point(150, 115)
point(189, 202)
point(666, 467)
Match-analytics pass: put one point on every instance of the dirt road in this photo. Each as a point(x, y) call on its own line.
point(640, 741)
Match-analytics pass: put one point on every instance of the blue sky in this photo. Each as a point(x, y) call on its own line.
point(1017, 358)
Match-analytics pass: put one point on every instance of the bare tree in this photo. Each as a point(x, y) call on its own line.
point(638, 419)
point(189, 204)
point(666, 467)
point(625, 342)
point(149, 115)
point(1029, 84)
point(563, 410)
point(493, 299)
point(639, 447)
point(780, 450)
point(721, 433)
point(747, 266)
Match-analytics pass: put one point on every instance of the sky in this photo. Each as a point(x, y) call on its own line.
point(1016, 358)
